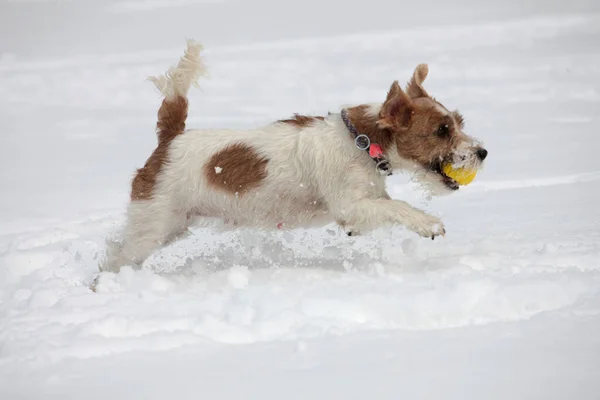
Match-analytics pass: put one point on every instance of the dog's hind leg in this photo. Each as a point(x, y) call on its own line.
point(153, 217)
point(149, 227)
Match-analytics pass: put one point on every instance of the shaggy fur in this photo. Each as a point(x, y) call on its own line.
point(301, 121)
point(300, 172)
point(171, 122)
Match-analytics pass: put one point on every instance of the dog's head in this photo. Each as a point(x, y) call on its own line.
point(421, 134)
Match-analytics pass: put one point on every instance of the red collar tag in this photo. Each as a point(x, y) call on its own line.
point(375, 150)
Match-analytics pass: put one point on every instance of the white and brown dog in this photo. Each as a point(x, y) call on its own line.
point(299, 172)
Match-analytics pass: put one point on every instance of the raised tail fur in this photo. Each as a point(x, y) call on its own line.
point(174, 85)
point(144, 230)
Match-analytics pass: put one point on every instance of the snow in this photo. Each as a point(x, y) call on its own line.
point(506, 305)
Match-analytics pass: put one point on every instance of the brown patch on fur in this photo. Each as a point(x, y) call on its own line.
point(458, 117)
point(397, 109)
point(171, 122)
point(394, 116)
point(301, 121)
point(432, 132)
point(366, 124)
point(240, 168)
point(421, 129)
point(431, 135)
point(415, 86)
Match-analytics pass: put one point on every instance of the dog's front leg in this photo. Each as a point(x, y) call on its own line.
point(367, 214)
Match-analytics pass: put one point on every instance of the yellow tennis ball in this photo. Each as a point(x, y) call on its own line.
point(462, 176)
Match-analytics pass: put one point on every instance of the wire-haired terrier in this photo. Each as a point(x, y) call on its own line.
point(298, 172)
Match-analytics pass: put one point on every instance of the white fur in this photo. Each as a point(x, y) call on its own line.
point(313, 178)
point(178, 80)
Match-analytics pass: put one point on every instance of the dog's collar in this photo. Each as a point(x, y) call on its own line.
point(363, 142)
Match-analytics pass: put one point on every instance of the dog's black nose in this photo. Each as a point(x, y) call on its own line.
point(482, 153)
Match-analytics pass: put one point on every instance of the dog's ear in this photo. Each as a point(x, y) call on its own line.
point(415, 86)
point(396, 110)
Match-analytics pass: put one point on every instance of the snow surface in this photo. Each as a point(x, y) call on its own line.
point(506, 306)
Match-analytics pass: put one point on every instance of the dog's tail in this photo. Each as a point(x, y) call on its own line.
point(174, 85)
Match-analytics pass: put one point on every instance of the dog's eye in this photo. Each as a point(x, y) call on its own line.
point(443, 130)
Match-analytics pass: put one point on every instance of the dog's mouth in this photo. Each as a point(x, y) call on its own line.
point(449, 182)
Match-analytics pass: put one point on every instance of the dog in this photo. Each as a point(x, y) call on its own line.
point(304, 171)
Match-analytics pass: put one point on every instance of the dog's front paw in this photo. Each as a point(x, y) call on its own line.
point(427, 226)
